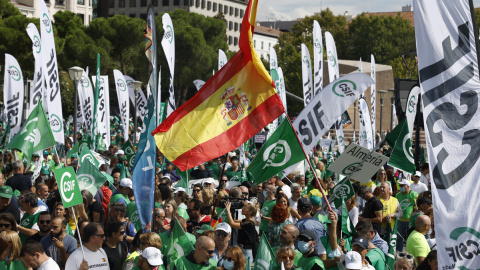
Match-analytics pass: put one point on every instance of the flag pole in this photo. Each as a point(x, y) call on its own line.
point(78, 231)
point(310, 165)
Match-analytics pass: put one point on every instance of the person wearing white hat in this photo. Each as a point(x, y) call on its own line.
point(119, 153)
point(406, 199)
point(151, 257)
point(121, 194)
point(209, 183)
point(418, 186)
point(353, 260)
point(223, 233)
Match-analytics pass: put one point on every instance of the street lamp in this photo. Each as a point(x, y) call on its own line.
point(382, 94)
point(392, 100)
point(75, 74)
point(136, 87)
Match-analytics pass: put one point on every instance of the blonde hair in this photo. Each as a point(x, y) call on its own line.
point(284, 250)
point(175, 207)
point(151, 239)
point(238, 257)
point(12, 237)
point(208, 196)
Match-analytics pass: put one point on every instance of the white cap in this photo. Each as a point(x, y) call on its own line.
point(178, 189)
point(166, 176)
point(208, 181)
point(126, 182)
point(417, 173)
point(224, 227)
point(232, 154)
point(353, 260)
point(404, 181)
point(120, 152)
point(153, 256)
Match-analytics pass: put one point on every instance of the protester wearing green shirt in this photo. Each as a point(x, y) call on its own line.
point(423, 204)
point(200, 258)
point(267, 207)
point(212, 165)
point(406, 199)
point(28, 224)
point(417, 245)
point(150, 258)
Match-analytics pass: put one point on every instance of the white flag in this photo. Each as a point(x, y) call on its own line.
point(168, 45)
point(50, 71)
point(333, 71)
point(37, 91)
point(86, 99)
point(394, 118)
point(317, 57)
point(13, 93)
point(373, 102)
point(325, 108)
point(281, 88)
point(450, 86)
point(123, 105)
point(411, 108)
point(222, 59)
point(198, 84)
point(340, 136)
point(273, 59)
point(141, 99)
point(365, 132)
point(158, 111)
point(306, 76)
point(103, 109)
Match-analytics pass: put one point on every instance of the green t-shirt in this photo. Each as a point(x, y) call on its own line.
point(214, 168)
point(183, 264)
point(407, 203)
point(133, 217)
point(417, 245)
point(28, 221)
point(310, 262)
point(376, 258)
point(413, 218)
point(266, 211)
point(241, 175)
point(14, 265)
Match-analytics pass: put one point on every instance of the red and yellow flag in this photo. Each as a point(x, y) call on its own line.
point(235, 104)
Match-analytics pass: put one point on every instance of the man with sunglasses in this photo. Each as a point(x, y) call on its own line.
point(7, 204)
point(95, 256)
point(306, 242)
point(197, 218)
point(223, 233)
point(58, 245)
point(43, 223)
point(115, 247)
point(201, 258)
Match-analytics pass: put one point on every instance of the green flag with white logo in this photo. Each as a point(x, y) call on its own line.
point(76, 148)
point(86, 155)
point(347, 225)
point(279, 152)
point(35, 134)
point(128, 148)
point(265, 259)
point(68, 187)
point(402, 156)
point(341, 192)
point(90, 178)
point(179, 245)
point(391, 237)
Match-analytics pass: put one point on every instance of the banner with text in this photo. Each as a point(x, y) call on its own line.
point(123, 105)
point(13, 94)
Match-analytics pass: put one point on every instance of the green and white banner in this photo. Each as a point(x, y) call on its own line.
point(365, 136)
point(340, 135)
point(37, 91)
point(85, 98)
point(342, 192)
point(317, 58)
point(123, 105)
point(13, 94)
point(141, 99)
point(281, 89)
point(306, 76)
point(265, 259)
point(103, 110)
point(198, 84)
point(168, 45)
point(373, 98)
point(68, 187)
point(52, 77)
point(222, 59)
point(90, 178)
point(333, 70)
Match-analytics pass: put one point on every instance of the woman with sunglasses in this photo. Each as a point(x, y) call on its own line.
point(285, 255)
point(234, 259)
point(10, 258)
point(381, 178)
point(145, 240)
point(114, 246)
point(7, 222)
point(405, 261)
point(197, 192)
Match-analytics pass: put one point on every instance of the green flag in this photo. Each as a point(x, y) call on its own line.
point(124, 173)
point(6, 136)
point(86, 155)
point(391, 237)
point(108, 177)
point(279, 152)
point(35, 134)
point(347, 225)
point(128, 148)
point(342, 191)
point(402, 156)
point(131, 160)
point(90, 178)
point(179, 245)
point(68, 187)
point(265, 256)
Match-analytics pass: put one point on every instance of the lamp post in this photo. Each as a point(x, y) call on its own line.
point(75, 74)
point(392, 100)
point(382, 94)
point(136, 87)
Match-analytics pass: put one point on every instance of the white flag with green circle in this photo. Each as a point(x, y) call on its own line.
point(90, 178)
point(13, 94)
point(68, 186)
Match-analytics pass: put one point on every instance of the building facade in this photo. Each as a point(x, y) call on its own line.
point(263, 39)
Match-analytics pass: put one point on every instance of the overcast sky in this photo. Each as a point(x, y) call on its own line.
point(293, 9)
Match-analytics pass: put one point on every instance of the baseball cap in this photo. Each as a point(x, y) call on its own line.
point(353, 260)
point(362, 242)
point(123, 158)
point(417, 173)
point(178, 189)
point(166, 176)
point(315, 200)
point(153, 256)
point(404, 181)
point(304, 203)
point(224, 227)
point(35, 155)
point(208, 181)
point(308, 234)
point(204, 227)
point(74, 156)
point(6, 192)
point(120, 152)
point(45, 153)
point(45, 170)
point(126, 182)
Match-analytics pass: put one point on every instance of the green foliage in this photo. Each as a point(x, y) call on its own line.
point(401, 71)
point(7, 9)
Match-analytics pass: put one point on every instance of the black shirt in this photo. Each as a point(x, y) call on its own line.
point(371, 206)
point(116, 256)
point(248, 236)
point(36, 237)
point(96, 207)
point(19, 182)
point(12, 210)
point(199, 174)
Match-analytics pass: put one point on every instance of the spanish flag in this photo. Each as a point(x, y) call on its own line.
point(235, 104)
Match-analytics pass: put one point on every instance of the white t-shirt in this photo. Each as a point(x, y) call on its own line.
point(287, 191)
point(96, 260)
point(425, 179)
point(49, 264)
point(418, 188)
point(293, 204)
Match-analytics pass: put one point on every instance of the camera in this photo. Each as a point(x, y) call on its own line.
point(237, 203)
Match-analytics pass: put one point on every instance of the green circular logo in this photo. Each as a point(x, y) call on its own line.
point(121, 85)
point(169, 34)
point(84, 81)
point(85, 181)
point(331, 59)
point(14, 73)
point(412, 103)
point(318, 45)
point(46, 21)
point(351, 168)
point(37, 44)
point(306, 61)
point(56, 123)
point(344, 88)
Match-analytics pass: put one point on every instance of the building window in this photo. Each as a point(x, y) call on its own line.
point(214, 7)
point(111, 3)
point(133, 3)
point(226, 24)
point(241, 13)
point(192, 2)
point(59, 2)
point(235, 42)
point(220, 7)
point(255, 44)
point(203, 4)
point(229, 40)
point(143, 3)
point(230, 25)
point(236, 12)
point(82, 17)
point(231, 11)
point(261, 46)
point(236, 26)
point(132, 15)
point(197, 3)
point(143, 16)
point(121, 3)
point(155, 3)
point(186, 3)
point(209, 5)
point(225, 10)
point(80, 2)
point(165, 3)
point(176, 2)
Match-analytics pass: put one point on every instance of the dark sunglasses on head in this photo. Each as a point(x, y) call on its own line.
point(4, 225)
point(44, 221)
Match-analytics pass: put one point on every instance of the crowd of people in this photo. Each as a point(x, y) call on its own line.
point(224, 220)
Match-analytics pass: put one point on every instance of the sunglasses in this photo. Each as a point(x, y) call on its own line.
point(209, 251)
point(44, 221)
point(284, 257)
point(122, 232)
point(222, 234)
point(405, 255)
point(196, 190)
point(101, 235)
point(4, 225)
point(228, 259)
point(244, 193)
